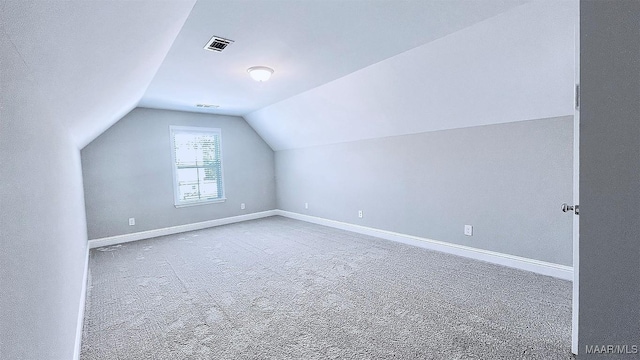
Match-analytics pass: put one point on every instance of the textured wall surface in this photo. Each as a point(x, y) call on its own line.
point(609, 180)
point(507, 180)
point(128, 173)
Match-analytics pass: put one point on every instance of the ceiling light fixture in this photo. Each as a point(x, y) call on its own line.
point(260, 73)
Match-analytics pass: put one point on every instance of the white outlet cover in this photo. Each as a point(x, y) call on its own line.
point(242, 206)
point(360, 213)
point(132, 221)
point(468, 230)
point(306, 205)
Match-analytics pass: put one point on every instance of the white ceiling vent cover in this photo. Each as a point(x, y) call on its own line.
point(217, 44)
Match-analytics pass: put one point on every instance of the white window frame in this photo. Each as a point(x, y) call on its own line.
point(176, 190)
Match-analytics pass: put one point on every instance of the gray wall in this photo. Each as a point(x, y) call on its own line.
point(43, 238)
point(609, 175)
point(508, 181)
point(128, 173)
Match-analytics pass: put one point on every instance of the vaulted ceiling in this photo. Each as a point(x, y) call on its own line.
point(344, 70)
point(308, 43)
point(91, 60)
point(516, 66)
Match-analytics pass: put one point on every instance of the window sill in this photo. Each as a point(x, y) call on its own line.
point(196, 203)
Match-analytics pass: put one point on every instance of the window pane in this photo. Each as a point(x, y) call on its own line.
point(209, 183)
point(187, 184)
point(208, 148)
point(186, 150)
point(198, 164)
point(209, 190)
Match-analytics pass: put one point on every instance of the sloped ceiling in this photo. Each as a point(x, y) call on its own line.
point(308, 43)
point(345, 70)
point(353, 70)
point(516, 66)
point(92, 60)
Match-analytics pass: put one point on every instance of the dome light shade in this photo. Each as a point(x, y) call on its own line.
point(260, 73)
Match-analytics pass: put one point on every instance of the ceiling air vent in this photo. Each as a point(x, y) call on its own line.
point(207, 106)
point(217, 44)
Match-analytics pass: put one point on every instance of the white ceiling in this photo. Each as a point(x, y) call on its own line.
point(91, 60)
point(516, 66)
point(308, 43)
point(345, 69)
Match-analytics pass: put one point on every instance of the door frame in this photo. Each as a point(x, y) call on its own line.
point(576, 185)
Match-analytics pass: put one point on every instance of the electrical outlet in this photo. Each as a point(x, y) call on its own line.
point(242, 206)
point(360, 214)
point(468, 230)
point(306, 205)
point(132, 221)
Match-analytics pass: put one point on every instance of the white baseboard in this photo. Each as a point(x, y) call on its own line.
point(536, 266)
point(83, 298)
point(119, 239)
point(541, 267)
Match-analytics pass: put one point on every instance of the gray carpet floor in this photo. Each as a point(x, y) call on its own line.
point(277, 288)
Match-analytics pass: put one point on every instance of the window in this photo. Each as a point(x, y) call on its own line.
point(197, 165)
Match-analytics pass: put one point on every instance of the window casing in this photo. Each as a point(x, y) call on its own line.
point(196, 154)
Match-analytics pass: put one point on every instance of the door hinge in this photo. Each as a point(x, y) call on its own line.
point(577, 96)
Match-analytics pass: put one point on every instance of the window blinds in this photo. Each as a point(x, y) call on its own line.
point(197, 163)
